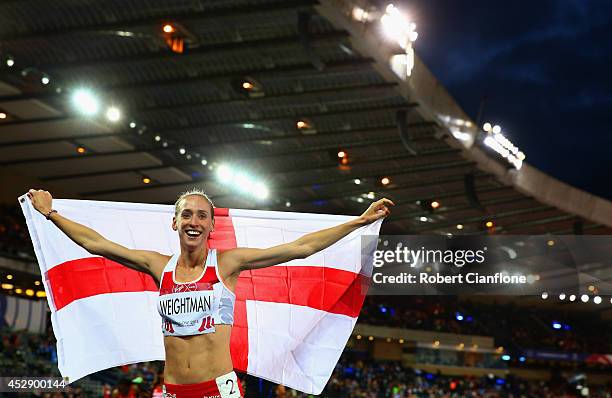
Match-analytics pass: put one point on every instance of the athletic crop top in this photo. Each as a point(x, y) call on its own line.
point(190, 308)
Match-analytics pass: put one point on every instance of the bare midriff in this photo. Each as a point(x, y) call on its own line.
point(195, 359)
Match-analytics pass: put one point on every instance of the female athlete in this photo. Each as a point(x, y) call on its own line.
point(196, 300)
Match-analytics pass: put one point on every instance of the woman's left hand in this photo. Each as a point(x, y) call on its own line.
point(377, 210)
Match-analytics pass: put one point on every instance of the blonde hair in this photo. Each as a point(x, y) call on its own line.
point(193, 191)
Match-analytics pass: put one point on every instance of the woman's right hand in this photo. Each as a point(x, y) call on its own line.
point(41, 200)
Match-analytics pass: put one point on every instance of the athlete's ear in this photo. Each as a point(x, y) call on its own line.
point(174, 227)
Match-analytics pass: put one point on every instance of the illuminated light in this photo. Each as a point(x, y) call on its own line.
point(521, 359)
point(261, 191)
point(572, 297)
point(388, 339)
point(475, 347)
point(461, 346)
point(584, 298)
point(165, 144)
point(544, 296)
point(9, 277)
point(37, 283)
point(301, 124)
point(41, 293)
point(358, 337)
point(500, 349)
point(401, 341)
point(287, 204)
point(168, 28)
point(361, 15)
point(556, 325)
point(85, 102)
point(3, 115)
point(204, 162)
point(7, 286)
point(146, 180)
point(458, 316)
point(597, 300)
point(247, 85)
point(436, 343)
point(550, 243)
point(182, 151)
point(225, 173)
point(341, 154)
point(157, 138)
point(113, 114)
point(371, 195)
point(496, 129)
point(10, 61)
point(29, 292)
point(18, 291)
point(487, 127)
point(505, 357)
point(360, 200)
point(370, 338)
point(459, 226)
point(397, 27)
point(81, 150)
point(45, 80)
point(423, 218)
point(385, 181)
point(243, 182)
point(562, 296)
point(489, 224)
point(344, 161)
point(435, 204)
point(357, 181)
point(591, 288)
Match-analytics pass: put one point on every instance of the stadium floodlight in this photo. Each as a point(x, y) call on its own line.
point(225, 173)
point(458, 316)
point(584, 298)
point(45, 80)
point(357, 181)
point(243, 182)
point(505, 357)
point(597, 300)
point(398, 27)
point(260, 190)
point(85, 102)
point(503, 146)
point(10, 61)
point(556, 325)
point(544, 296)
point(113, 114)
point(562, 296)
point(572, 297)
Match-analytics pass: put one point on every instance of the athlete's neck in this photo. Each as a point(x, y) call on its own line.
point(193, 258)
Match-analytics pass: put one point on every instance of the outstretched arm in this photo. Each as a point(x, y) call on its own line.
point(140, 260)
point(240, 259)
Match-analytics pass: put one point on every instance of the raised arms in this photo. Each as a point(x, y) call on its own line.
point(240, 259)
point(145, 261)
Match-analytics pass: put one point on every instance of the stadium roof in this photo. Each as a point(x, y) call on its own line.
point(303, 61)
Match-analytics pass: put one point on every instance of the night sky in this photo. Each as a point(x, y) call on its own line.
point(545, 68)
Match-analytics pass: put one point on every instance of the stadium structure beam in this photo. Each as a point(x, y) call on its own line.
point(396, 187)
point(435, 226)
point(282, 71)
point(183, 17)
point(232, 122)
point(361, 88)
point(335, 181)
point(244, 157)
point(209, 147)
point(542, 221)
point(205, 50)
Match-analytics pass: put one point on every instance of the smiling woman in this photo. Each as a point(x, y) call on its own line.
point(196, 286)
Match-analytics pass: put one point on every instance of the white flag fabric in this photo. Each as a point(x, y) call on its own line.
point(292, 321)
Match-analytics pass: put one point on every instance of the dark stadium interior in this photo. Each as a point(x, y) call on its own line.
point(280, 88)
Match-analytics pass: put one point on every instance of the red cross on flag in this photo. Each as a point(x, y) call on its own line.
point(292, 321)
